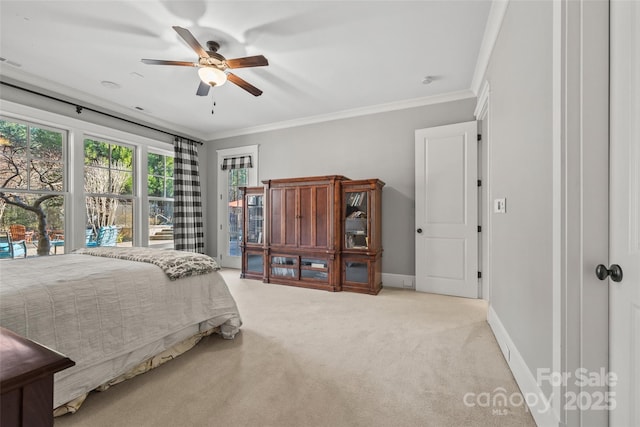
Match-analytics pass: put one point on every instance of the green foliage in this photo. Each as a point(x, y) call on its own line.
point(15, 133)
point(117, 155)
point(160, 175)
point(156, 186)
point(46, 144)
point(237, 178)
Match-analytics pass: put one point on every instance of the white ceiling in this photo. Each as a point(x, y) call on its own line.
point(326, 58)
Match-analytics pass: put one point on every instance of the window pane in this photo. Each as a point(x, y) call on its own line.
point(13, 172)
point(161, 223)
point(160, 175)
point(96, 180)
point(50, 211)
point(121, 182)
point(46, 169)
point(15, 135)
point(46, 144)
point(121, 157)
point(108, 168)
point(237, 178)
point(155, 164)
point(156, 186)
point(95, 151)
point(169, 166)
point(46, 175)
point(31, 158)
point(103, 212)
point(169, 187)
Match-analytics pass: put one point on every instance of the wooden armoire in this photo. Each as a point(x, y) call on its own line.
point(321, 232)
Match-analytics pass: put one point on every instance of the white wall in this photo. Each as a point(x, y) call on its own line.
point(520, 77)
point(373, 146)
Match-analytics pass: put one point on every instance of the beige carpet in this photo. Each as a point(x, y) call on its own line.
point(316, 358)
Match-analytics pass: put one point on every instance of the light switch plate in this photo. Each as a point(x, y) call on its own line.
point(500, 206)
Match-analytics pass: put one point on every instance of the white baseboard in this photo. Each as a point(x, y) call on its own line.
point(402, 281)
point(539, 404)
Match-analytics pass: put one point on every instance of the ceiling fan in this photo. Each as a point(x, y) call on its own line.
point(213, 66)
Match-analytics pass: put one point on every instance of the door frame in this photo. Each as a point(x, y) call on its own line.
point(222, 199)
point(624, 347)
point(580, 240)
point(483, 116)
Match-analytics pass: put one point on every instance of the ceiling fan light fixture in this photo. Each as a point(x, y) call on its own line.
point(212, 76)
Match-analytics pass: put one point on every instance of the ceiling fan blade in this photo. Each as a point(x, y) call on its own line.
point(244, 84)
point(163, 62)
point(191, 41)
point(249, 61)
point(203, 89)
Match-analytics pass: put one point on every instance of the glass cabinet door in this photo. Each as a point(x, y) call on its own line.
point(316, 269)
point(254, 263)
point(255, 218)
point(356, 230)
point(284, 266)
point(356, 271)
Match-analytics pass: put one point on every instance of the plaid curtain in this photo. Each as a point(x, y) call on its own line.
point(188, 231)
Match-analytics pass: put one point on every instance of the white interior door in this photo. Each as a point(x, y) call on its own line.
point(624, 247)
point(447, 210)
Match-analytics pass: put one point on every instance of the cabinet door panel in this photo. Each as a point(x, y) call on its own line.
point(277, 211)
point(314, 211)
point(306, 216)
point(290, 232)
point(322, 217)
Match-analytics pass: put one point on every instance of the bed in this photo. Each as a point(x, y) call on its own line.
point(116, 312)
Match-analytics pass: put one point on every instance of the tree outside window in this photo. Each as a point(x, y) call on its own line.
point(32, 171)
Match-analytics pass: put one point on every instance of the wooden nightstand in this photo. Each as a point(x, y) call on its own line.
point(26, 381)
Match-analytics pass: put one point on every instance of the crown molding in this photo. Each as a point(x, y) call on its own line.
point(491, 31)
point(345, 114)
point(483, 100)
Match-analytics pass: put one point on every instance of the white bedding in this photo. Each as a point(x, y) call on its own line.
point(107, 315)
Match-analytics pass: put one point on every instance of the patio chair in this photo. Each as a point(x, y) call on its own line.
point(18, 232)
point(106, 236)
point(89, 238)
point(56, 240)
point(11, 249)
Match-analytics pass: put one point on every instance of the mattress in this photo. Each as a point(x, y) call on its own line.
point(108, 315)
